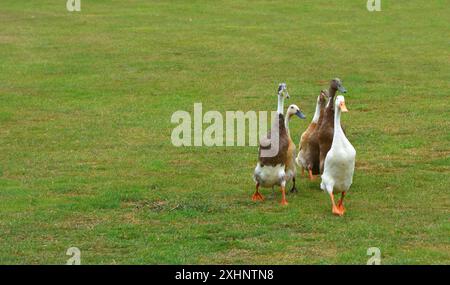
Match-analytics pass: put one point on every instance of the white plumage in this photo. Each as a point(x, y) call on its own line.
point(339, 164)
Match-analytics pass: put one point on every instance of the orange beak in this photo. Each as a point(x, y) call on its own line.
point(343, 107)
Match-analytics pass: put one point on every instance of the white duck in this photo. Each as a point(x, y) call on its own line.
point(339, 163)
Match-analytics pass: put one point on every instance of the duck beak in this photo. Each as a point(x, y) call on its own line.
point(287, 95)
point(300, 114)
point(342, 89)
point(343, 107)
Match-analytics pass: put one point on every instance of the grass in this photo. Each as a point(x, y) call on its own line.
point(86, 158)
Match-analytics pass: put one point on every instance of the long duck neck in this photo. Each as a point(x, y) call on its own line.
point(321, 113)
point(280, 104)
point(332, 92)
point(286, 124)
point(282, 125)
point(317, 112)
point(338, 132)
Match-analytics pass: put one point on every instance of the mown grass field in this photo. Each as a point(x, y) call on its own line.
point(86, 158)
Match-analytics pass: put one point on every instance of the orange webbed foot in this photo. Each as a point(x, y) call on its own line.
point(257, 197)
point(284, 203)
point(313, 177)
point(341, 208)
point(337, 212)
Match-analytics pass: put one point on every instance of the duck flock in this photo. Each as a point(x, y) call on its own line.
point(323, 149)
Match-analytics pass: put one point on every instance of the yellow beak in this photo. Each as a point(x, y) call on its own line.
point(343, 107)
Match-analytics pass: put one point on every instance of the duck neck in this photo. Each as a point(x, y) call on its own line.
point(280, 104)
point(286, 124)
point(332, 93)
point(317, 112)
point(337, 123)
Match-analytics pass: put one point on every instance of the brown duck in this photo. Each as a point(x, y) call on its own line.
point(326, 128)
point(276, 152)
point(308, 156)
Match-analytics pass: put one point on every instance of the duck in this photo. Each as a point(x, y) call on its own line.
point(326, 128)
point(290, 166)
point(339, 164)
point(275, 166)
point(308, 155)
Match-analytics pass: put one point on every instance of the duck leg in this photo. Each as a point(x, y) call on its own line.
point(293, 189)
point(335, 209)
point(257, 196)
point(311, 176)
point(283, 194)
point(322, 162)
point(303, 171)
point(340, 205)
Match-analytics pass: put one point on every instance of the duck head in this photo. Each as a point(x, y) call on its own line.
point(295, 110)
point(336, 84)
point(340, 103)
point(282, 90)
point(323, 97)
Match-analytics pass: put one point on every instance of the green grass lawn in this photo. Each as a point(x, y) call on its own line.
point(86, 158)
